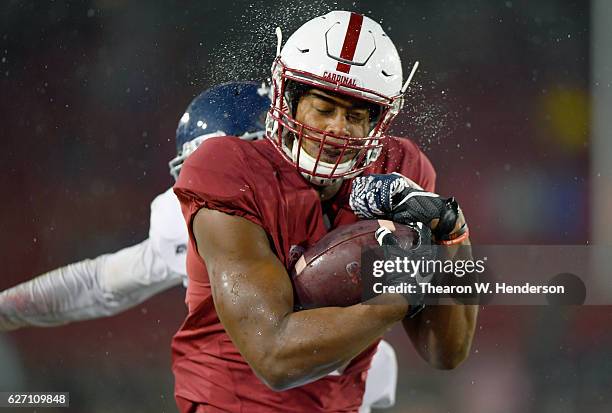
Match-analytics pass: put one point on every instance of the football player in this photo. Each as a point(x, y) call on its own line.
point(115, 282)
point(337, 84)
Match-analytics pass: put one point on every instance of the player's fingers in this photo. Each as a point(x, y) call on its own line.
point(385, 237)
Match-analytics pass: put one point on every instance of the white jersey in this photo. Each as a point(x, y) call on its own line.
point(168, 232)
point(382, 379)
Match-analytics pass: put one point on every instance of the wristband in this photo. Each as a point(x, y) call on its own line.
point(457, 237)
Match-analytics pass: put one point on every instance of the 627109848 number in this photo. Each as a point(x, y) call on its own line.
point(34, 399)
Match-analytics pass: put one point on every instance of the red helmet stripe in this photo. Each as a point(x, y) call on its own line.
point(350, 42)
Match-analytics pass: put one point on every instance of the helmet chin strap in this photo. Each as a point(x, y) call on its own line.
point(308, 162)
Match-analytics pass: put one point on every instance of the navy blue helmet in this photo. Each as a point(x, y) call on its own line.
point(232, 109)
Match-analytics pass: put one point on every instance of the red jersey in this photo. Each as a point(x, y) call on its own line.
point(253, 181)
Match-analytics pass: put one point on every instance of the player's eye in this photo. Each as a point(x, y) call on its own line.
point(356, 117)
point(324, 110)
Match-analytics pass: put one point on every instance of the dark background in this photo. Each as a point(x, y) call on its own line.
point(90, 96)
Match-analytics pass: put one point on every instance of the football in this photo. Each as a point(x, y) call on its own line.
point(329, 273)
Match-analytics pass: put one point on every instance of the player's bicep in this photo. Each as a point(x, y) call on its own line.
point(251, 288)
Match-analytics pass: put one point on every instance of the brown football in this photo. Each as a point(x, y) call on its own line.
point(329, 273)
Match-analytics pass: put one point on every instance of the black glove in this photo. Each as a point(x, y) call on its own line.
point(421, 251)
point(394, 197)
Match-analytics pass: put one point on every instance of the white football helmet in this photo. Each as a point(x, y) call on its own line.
point(341, 52)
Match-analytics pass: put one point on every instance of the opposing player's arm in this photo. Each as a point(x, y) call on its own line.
point(442, 334)
point(254, 300)
point(101, 287)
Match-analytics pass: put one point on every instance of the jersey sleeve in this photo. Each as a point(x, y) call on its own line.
point(217, 176)
point(100, 287)
point(168, 232)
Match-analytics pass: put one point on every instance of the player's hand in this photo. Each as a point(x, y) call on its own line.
point(395, 197)
point(422, 251)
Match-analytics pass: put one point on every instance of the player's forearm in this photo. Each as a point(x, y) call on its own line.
point(49, 299)
point(443, 334)
point(87, 289)
point(311, 344)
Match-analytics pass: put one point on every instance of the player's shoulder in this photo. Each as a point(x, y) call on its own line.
point(166, 218)
point(223, 150)
point(230, 155)
point(225, 168)
point(168, 232)
point(217, 164)
point(219, 144)
point(233, 155)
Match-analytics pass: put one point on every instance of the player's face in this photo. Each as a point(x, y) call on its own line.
point(335, 114)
